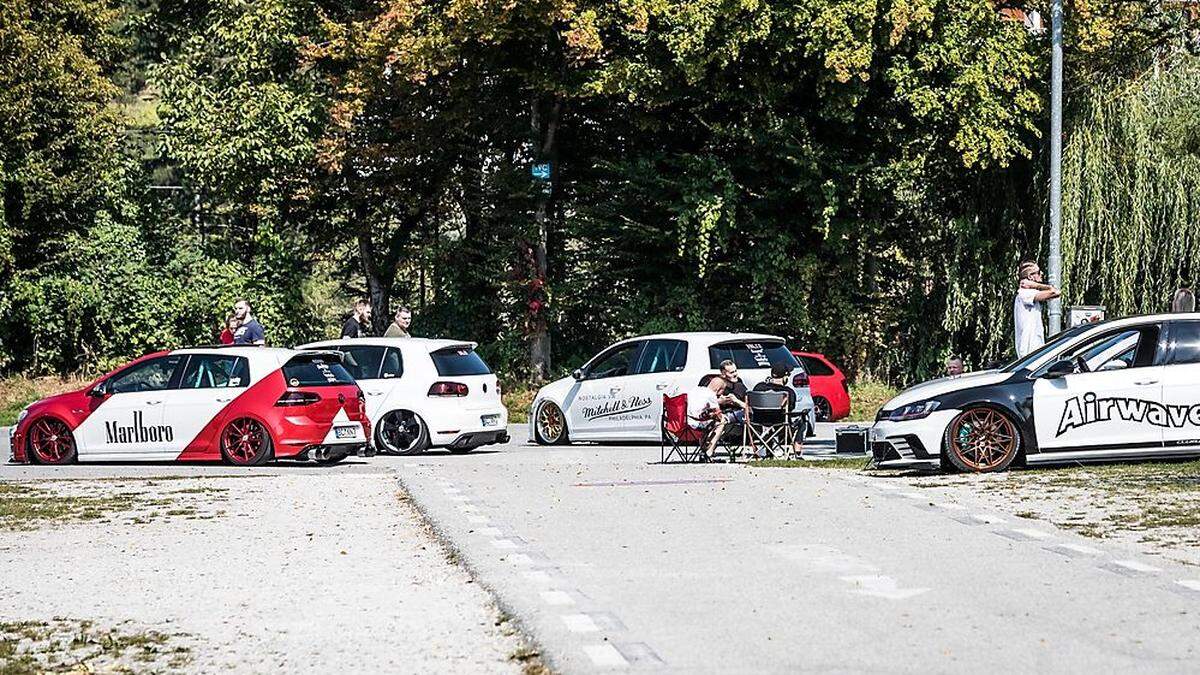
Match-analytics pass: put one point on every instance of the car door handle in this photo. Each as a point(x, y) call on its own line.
point(153, 402)
point(224, 400)
point(660, 387)
point(1142, 383)
point(374, 393)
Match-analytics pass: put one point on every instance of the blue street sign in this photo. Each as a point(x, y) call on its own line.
point(540, 171)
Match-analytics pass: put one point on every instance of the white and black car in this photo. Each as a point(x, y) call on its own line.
point(1123, 389)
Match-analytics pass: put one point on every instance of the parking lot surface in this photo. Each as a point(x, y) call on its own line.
point(611, 561)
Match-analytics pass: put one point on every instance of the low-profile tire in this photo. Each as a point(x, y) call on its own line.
point(550, 425)
point(981, 440)
point(246, 442)
point(823, 409)
point(402, 432)
point(50, 442)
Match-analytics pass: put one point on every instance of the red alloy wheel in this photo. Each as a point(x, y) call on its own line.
point(51, 441)
point(245, 442)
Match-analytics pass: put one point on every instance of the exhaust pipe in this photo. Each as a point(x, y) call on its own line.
point(320, 453)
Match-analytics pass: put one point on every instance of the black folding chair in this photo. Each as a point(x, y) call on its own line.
point(769, 424)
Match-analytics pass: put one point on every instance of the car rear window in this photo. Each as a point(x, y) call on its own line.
point(815, 366)
point(459, 361)
point(316, 371)
point(751, 354)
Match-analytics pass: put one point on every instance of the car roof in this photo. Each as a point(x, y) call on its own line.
point(422, 344)
point(699, 336)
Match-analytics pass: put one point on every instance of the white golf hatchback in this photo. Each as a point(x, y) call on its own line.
point(423, 393)
point(617, 395)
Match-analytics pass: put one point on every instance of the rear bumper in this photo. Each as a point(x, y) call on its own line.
point(475, 439)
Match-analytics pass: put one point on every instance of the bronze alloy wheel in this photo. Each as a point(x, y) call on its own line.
point(981, 440)
point(551, 428)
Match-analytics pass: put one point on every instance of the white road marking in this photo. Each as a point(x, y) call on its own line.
point(1190, 584)
point(949, 506)
point(412, 465)
point(451, 490)
point(539, 576)
point(520, 559)
point(605, 656)
point(989, 519)
point(915, 496)
point(580, 623)
point(504, 544)
point(1135, 566)
point(882, 587)
point(818, 557)
point(1031, 533)
point(1074, 550)
point(557, 598)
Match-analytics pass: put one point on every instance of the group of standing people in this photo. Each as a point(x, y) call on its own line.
point(242, 328)
point(359, 323)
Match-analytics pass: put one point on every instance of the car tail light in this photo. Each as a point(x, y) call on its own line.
point(295, 398)
point(800, 379)
point(448, 389)
point(362, 400)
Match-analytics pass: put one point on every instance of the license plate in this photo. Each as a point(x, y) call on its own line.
point(345, 432)
point(491, 420)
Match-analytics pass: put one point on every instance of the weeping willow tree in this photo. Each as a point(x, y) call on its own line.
point(1131, 193)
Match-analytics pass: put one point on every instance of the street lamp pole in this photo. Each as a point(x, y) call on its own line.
point(1056, 76)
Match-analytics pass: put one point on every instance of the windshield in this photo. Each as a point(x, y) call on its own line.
point(1058, 341)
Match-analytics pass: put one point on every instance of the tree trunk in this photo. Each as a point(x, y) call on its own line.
point(546, 132)
point(379, 282)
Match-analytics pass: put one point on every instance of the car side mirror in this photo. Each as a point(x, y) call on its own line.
point(1059, 369)
point(99, 391)
point(578, 375)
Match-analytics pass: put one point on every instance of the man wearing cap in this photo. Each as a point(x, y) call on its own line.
point(778, 381)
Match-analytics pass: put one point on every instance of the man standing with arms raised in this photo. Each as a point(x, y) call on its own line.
point(1032, 292)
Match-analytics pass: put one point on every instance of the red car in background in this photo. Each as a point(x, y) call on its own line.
point(830, 392)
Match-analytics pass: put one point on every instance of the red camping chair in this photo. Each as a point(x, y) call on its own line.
point(684, 440)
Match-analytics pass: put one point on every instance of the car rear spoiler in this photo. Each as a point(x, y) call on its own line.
point(454, 345)
point(313, 354)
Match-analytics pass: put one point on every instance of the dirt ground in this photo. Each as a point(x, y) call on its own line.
point(303, 572)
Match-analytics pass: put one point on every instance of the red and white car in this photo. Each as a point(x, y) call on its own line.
point(830, 392)
point(243, 405)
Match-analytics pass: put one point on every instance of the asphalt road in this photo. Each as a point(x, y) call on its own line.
point(612, 561)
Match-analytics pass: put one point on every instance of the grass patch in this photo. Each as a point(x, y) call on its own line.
point(867, 397)
point(835, 463)
point(518, 397)
point(24, 506)
point(70, 646)
point(18, 391)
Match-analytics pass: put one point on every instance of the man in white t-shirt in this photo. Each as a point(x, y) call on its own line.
point(1027, 307)
point(704, 410)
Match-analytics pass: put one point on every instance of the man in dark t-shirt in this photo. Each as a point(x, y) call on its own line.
point(250, 331)
point(778, 382)
point(359, 323)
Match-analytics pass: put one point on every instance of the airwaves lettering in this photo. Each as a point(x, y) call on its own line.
point(137, 432)
point(618, 407)
point(1085, 410)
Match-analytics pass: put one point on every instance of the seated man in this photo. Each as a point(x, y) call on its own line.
point(704, 411)
point(733, 397)
point(778, 381)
